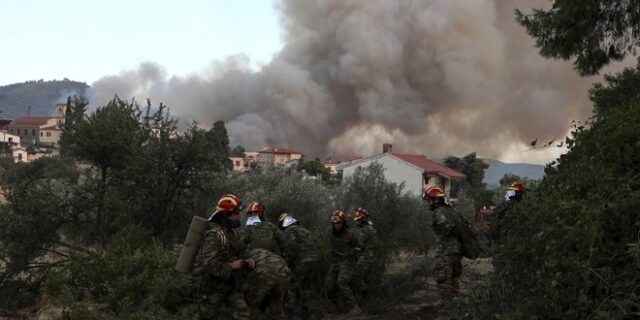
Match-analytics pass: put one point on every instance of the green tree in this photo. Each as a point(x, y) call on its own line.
point(574, 251)
point(473, 168)
point(74, 114)
point(594, 32)
point(218, 138)
point(508, 178)
point(315, 168)
point(237, 151)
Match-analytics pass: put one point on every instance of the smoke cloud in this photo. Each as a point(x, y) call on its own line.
point(438, 77)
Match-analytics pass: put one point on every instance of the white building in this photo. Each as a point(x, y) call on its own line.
point(414, 170)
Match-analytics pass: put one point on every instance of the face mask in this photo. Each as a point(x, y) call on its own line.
point(509, 194)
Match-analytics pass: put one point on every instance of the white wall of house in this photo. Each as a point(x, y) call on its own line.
point(395, 171)
point(50, 136)
point(8, 137)
point(20, 155)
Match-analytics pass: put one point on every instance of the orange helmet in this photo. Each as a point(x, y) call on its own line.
point(229, 203)
point(360, 214)
point(433, 192)
point(338, 217)
point(517, 186)
point(254, 208)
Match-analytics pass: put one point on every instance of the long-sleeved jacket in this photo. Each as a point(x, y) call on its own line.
point(444, 225)
point(298, 246)
point(221, 245)
point(368, 236)
point(345, 244)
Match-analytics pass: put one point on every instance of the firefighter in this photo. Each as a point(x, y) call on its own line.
point(266, 286)
point(345, 248)
point(369, 264)
point(258, 233)
point(448, 266)
point(218, 262)
point(508, 211)
point(302, 257)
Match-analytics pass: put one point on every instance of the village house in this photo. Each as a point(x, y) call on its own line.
point(269, 157)
point(39, 131)
point(414, 170)
point(239, 164)
point(333, 163)
point(246, 163)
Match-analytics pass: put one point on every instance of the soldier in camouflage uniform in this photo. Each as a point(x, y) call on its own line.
point(266, 286)
point(219, 257)
point(448, 266)
point(369, 265)
point(508, 211)
point(258, 233)
point(345, 247)
point(302, 256)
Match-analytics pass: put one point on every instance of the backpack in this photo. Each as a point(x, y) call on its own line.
point(263, 236)
point(468, 239)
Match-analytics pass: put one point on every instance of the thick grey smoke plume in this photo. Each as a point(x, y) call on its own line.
point(432, 76)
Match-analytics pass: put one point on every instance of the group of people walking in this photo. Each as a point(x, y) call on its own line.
point(266, 271)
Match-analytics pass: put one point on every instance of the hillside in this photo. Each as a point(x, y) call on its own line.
point(40, 95)
point(497, 169)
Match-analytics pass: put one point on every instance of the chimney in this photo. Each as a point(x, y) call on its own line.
point(387, 147)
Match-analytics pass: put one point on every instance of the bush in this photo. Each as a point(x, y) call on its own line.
point(574, 252)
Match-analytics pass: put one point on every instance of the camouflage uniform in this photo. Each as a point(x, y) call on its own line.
point(302, 257)
point(369, 265)
point(218, 293)
point(264, 235)
point(502, 217)
point(266, 286)
point(449, 255)
point(344, 247)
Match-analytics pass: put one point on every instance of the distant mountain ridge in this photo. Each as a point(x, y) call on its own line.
point(16, 98)
point(497, 169)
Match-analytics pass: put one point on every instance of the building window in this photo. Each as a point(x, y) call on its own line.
point(18, 131)
point(237, 163)
point(10, 140)
point(33, 132)
point(48, 134)
point(19, 156)
point(41, 133)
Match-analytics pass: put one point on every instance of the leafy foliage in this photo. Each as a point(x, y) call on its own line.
point(574, 252)
point(595, 32)
point(473, 168)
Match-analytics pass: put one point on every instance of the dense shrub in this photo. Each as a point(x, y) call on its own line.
point(574, 252)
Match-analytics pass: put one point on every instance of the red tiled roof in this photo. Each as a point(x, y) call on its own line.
point(278, 150)
point(29, 122)
point(429, 166)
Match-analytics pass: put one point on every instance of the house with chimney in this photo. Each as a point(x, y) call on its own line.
point(416, 171)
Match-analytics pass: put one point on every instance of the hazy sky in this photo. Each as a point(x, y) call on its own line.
point(85, 40)
point(439, 77)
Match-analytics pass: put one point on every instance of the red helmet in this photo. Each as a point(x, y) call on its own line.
point(338, 216)
point(360, 214)
point(517, 186)
point(433, 192)
point(229, 203)
point(254, 208)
